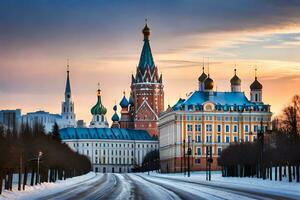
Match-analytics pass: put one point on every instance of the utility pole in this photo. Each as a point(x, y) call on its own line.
point(260, 136)
point(189, 152)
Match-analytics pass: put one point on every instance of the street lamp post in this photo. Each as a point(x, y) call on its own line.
point(189, 152)
point(184, 167)
point(38, 166)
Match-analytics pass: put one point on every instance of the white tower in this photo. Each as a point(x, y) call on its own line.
point(67, 108)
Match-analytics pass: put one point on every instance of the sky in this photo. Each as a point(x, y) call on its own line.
point(103, 41)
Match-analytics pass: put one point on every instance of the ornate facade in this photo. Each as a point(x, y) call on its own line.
point(146, 100)
point(210, 118)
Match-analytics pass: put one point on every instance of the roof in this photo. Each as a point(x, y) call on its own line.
point(104, 133)
point(68, 87)
point(146, 59)
point(124, 102)
point(220, 98)
point(256, 85)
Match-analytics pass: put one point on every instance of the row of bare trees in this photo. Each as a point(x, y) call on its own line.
point(274, 155)
point(33, 155)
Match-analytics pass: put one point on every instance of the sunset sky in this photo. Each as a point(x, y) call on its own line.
point(103, 41)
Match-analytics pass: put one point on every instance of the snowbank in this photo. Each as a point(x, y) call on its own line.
point(254, 184)
point(44, 189)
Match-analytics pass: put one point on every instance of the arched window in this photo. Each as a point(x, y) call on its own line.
point(97, 118)
point(256, 97)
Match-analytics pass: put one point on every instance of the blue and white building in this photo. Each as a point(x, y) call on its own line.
point(211, 118)
point(109, 149)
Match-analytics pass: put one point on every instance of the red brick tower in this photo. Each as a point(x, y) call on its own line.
point(147, 91)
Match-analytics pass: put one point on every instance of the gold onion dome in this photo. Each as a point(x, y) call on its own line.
point(235, 80)
point(256, 85)
point(203, 76)
point(98, 109)
point(208, 83)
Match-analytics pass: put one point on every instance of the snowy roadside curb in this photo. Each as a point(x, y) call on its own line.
point(44, 189)
point(250, 184)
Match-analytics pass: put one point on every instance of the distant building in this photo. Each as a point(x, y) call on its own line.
point(208, 118)
point(41, 117)
point(66, 119)
point(109, 149)
point(10, 118)
point(146, 101)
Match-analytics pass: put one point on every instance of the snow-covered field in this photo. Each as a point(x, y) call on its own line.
point(159, 187)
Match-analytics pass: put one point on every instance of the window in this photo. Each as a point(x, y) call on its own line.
point(246, 138)
point(189, 127)
point(219, 128)
point(218, 138)
point(227, 119)
point(96, 152)
point(219, 151)
point(189, 118)
point(227, 139)
point(235, 128)
point(235, 119)
point(246, 128)
point(198, 127)
point(219, 118)
point(255, 128)
point(199, 152)
point(189, 138)
point(235, 139)
point(227, 128)
point(208, 127)
point(96, 160)
point(198, 118)
point(198, 138)
point(208, 118)
point(208, 138)
point(197, 161)
point(254, 138)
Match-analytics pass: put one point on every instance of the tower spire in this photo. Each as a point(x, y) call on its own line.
point(255, 73)
point(68, 85)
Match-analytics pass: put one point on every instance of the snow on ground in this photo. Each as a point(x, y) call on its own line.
point(254, 184)
point(46, 188)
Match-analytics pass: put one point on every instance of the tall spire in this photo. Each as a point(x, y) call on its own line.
point(68, 85)
point(146, 59)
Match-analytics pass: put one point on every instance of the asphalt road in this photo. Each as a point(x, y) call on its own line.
point(143, 187)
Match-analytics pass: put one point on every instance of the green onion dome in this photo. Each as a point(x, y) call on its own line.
point(98, 109)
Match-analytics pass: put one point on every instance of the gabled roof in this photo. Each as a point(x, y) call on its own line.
point(104, 133)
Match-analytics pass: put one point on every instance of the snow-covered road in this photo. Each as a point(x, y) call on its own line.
point(151, 187)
